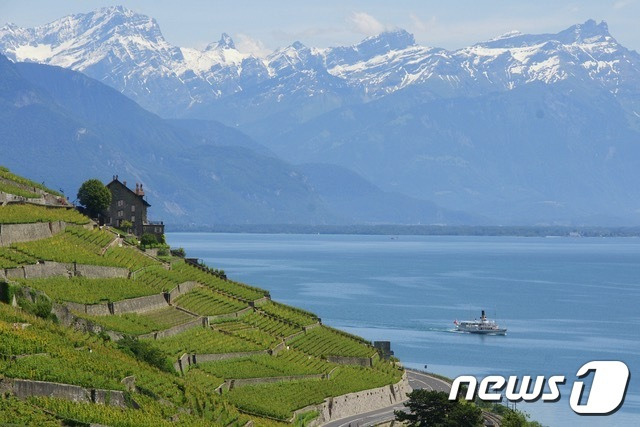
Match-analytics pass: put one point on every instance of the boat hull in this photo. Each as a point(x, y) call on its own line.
point(484, 332)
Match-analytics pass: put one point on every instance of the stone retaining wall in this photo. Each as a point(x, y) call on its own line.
point(40, 270)
point(181, 289)
point(297, 334)
point(27, 388)
point(140, 304)
point(313, 326)
point(186, 360)
point(14, 233)
point(46, 269)
point(278, 348)
point(202, 358)
point(175, 330)
point(241, 382)
point(183, 363)
point(347, 405)
point(67, 318)
point(259, 301)
point(365, 401)
point(101, 272)
point(101, 309)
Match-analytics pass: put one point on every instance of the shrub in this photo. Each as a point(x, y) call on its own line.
point(146, 352)
point(7, 291)
point(126, 226)
point(41, 306)
point(148, 239)
point(178, 252)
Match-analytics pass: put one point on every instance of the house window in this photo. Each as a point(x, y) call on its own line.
point(120, 203)
point(133, 208)
point(157, 229)
point(133, 218)
point(120, 214)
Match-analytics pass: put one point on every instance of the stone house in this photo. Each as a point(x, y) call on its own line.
point(130, 205)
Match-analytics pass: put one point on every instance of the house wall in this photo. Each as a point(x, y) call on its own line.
point(131, 205)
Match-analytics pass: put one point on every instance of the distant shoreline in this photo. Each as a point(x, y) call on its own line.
point(418, 230)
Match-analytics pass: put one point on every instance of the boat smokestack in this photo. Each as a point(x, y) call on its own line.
point(483, 316)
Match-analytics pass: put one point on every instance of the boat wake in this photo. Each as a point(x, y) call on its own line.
point(446, 330)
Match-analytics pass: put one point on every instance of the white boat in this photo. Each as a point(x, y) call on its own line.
point(482, 326)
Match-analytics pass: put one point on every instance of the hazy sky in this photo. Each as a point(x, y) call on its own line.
point(260, 26)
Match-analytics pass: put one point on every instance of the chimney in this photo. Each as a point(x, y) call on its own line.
point(141, 192)
point(124, 183)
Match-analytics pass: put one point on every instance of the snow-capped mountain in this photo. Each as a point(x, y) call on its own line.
point(585, 52)
point(127, 51)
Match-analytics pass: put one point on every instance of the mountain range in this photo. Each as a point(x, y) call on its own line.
point(521, 129)
point(64, 126)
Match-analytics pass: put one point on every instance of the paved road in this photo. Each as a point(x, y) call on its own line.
point(426, 381)
point(416, 380)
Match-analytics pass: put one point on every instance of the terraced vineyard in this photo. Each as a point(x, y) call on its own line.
point(248, 333)
point(83, 246)
point(159, 278)
point(297, 394)
point(138, 324)
point(206, 302)
point(289, 362)
point(18, 191)
point(325, 342)
point(95, 240)
point(19, 412)
point(24, 182)
point(127, 257)
point(10, 258)
point(270, 325)
point(291, 314)
point(238, 290)
point(206, 341)
point(72, 245)
point(23, 214)
point(52, 353)
point(32, 348)
point(88, 291)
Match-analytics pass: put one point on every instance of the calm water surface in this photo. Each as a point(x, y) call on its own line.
point(564, 301)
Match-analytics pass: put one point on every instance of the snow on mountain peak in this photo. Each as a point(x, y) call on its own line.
point(508, 35)
point(296, 56)
point(225, 42)
point(588, 32)
point(386, 41)
point(296, 45)
point(127, 51)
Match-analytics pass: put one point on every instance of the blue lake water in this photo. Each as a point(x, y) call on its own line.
point(564, 301)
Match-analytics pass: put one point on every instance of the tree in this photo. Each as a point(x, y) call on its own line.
point(433, 408)
point(94, 196)
point(516, 418)
point(126, 226)
point(148, 239)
